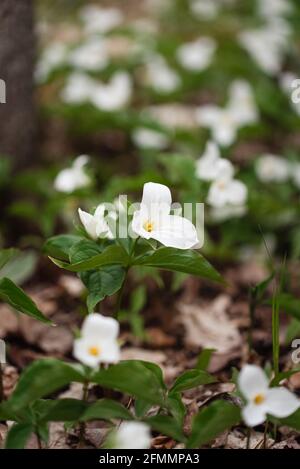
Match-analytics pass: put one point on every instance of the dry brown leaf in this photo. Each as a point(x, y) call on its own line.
point(208, 325)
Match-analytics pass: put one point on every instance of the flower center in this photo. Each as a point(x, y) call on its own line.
point(259, 399)
point(221, 185)
point(94, 351)
point(148, 226)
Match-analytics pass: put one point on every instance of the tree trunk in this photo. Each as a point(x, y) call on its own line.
point(17, 51)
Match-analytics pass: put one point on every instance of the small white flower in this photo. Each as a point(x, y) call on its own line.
point(295, 173)
point(52, 57)
point(290, 83)
point(274, 8)
point(225, 122)
point(70, 179)
point(211, 166)
point(91, 55)
point(227, 191)
point(115, 94)
point(161, 77)
point(197, 55)
point(149, 139)
point(78, 88)
point(261, 399)
point(153, 219)
point(95, 225)
point(204, 9)
point(267, 46)
point(100, 20)
point(98, 342)
point(272, 168)
point(132, 435)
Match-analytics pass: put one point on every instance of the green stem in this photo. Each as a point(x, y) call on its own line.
point(265, 435)
point(252, 308)
point(275, 332)
point(121, 291)
point(82, 424)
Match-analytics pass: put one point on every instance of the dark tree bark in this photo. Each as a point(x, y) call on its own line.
point(17, 51)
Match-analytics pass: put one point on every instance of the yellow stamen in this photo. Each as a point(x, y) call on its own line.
point(259, 399)
point(94, 351)
point(148, 226)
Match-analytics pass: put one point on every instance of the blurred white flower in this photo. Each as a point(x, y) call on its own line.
point(267, 46)
point(272, 168)
point(115, 94)
point(100, 20)
point(91, 55)
point(262, 399)
point(153, 219)
point(204, 9)
point(295, 173)
point(146, 138)
point(98, 342)
point(132, 435)
point(274, 8)
point(52, 57)
point(225, 192)
point(211, 166)
point(78, 89)
point(289, 82)
point(70, 179)
point(224, 122)
point(95, 225)
point(161, 77)
point(196, 56)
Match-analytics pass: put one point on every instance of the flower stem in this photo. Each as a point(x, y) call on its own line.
point(252, 307)
point(248, 438)
point(121, 291)
point(85, 390)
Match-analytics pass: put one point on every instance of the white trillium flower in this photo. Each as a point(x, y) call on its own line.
point(274, 8)
point(95, 225)
point(197, 55)
point(52, 57)
point(115, 94)
point(153, 219)
point(161, 77)
point(204, 9)
point(100, 20)
point(98, 342)
point(132, 435)
point(261, 399)
point(149, 139)
point(224, 123)
point(78, 89)
point(290, 85)
point(272, 168)
point(295, 173)
point(91, 55)
point(267, 46)
point(211, 166)
point(70, 179)
point(227, 191)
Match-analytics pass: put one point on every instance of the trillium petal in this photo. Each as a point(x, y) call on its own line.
point(281, 402)
point(252, 381)
point(110, 351)
point(208, 115)
point(225, 132)
point(100, 327)
point(81, 353)
point(237, 193)
point(89, 223)
point(157, 195)
point(137, 224)
point(254, 414)
point(177, 232)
